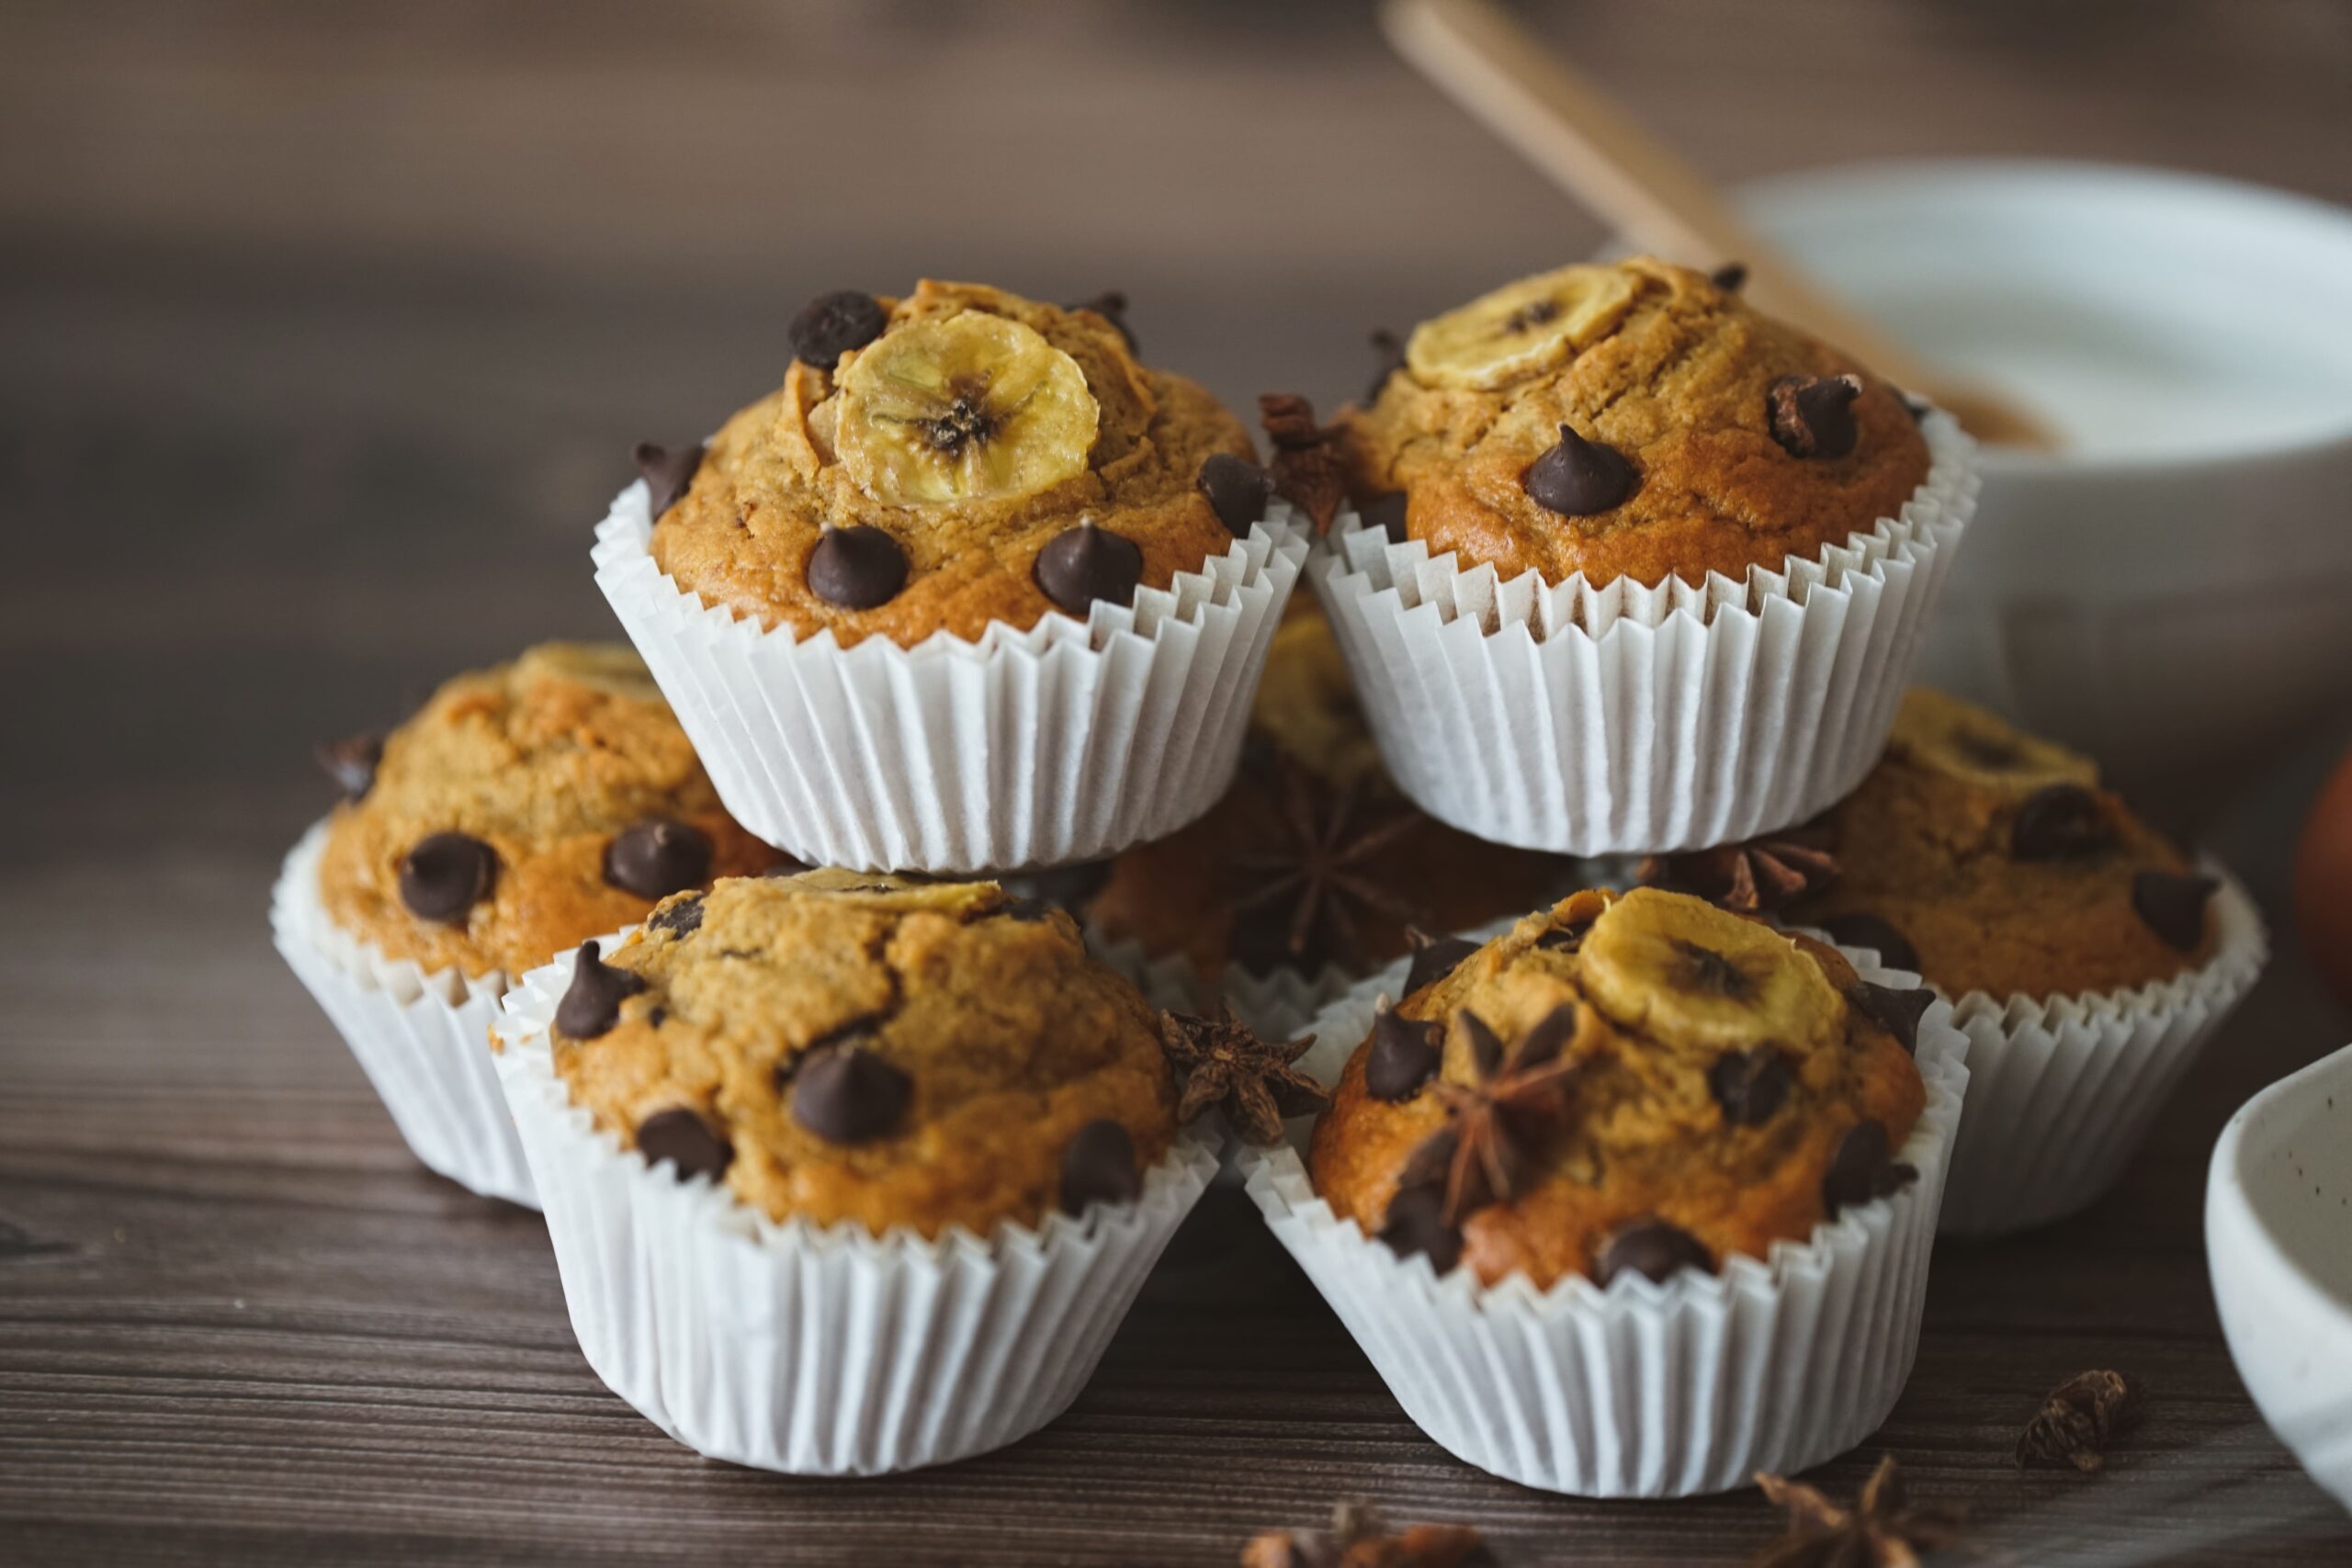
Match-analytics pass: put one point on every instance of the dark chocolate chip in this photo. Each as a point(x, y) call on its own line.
point(1652, 1249)
point(1750, 1085)
point(831, 324)
point(667, 471)
point(2174, 906)
point(681, 918)
point(1112, 306)
point(1236, 489)
point(1391, 350)
point(591, 1003)
point(352, 763)
point(1079, 565)
point(1070, 887)
point(658, 857)
point(1578, 478)
point(1435, 957)
point(856, 567)
point(1813, 416)
point(1857, 929)
point(849, 1095)
point(1861, 1170)
point(1416, 1223)
point(682, 1139)
point(2060, 821)
point(444, 875)
point(1387, 512)
point(1898, 1012)
point(1731, 277)
point(1404, 1056)
point(1098, 1167)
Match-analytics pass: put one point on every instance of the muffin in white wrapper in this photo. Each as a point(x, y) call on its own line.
point(1066, 742)
point(1640, 1390)
point(1635, 720)
point(423, 1040)
point(819, 1349)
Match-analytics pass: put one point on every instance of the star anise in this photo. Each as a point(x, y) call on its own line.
point(2077, 1419)
point(1321, 867)
point(1357, 1538)
point(1762, 874)
point(1251, 1080)
point(1306, 468)
point(1881, 1531)
point(1482, 1151)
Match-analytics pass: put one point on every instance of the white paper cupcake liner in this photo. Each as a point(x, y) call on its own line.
point(423, 1039)
point(824, 1350)
point(1066, 742)
point(1632, 719)
point(1278, 1004)
point(1641, 1389)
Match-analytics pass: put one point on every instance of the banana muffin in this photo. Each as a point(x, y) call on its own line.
point(841, 1047)
point(1642, 1082)
point(1988, 860)
point(523, 809)
point(954, 459)
point(1630, 420)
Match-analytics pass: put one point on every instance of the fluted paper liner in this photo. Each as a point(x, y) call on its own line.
point(1067, 742)
point(423, 1039)
point(1633, 719)
point(819, 1349)
point(1640, 1390)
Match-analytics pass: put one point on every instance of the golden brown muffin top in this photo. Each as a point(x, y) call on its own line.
point(1990, 861)
point(523, 809)
point(1700, 435)
point(1641, 1082)
point(844, 1046)
point(934, 472)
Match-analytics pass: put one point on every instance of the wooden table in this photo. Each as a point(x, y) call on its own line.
point(326, 340)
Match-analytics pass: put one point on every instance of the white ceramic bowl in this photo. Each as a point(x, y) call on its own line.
point(2279, 1240)
point(2169, 592)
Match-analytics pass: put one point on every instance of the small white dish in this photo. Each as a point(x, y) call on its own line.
point(2279, 1241)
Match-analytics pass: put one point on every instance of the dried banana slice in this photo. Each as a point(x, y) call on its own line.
point(1965, 743)
point(1521, 329)
point(967, 407)
point(1680, 969)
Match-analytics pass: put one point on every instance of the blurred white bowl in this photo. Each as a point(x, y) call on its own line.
point(2172, 591)
point(2279, 1240)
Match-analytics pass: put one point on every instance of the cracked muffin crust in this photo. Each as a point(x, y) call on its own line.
point(1988, 860)
point(1641, 1082)
point(844, 1046)
point(1630, 419)
point(932, 463)
point(523, 809)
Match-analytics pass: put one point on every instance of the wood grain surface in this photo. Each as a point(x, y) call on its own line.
point(326, 331)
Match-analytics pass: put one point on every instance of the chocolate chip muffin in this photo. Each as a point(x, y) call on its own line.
point(1633, 419)
point(1641, 1082)
point(847, 1047)
point(1987, 860)
point(954, 459)
point(1312, 858)
point(523, 809)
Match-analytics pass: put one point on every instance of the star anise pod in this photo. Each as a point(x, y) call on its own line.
point(1762, 874)
point(1322, 869)
point(1306, 468)
point(1357, 1539)
point(1881, 1531)
point(1482, 1151)
point(1251, 1080)
point(2077, 1419)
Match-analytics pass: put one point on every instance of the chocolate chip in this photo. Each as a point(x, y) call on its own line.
point(1861, 1170)
point(352, 763)
point(2060, 821)
point(1898, 1012)
point(1435, 957)
point(444, 875)
point(1731, 277)
point(847, 1095)
point(1236, 489)
point(831, 324)
point(658, 857)
point(1578, 478)
point(1651, 1249)
point(1098, 1167)
point(591, 1003)
point(1750, 1085)
point(682, 1139)
point(667, 472)
point(1070, 887)
point(1416, 1223)
point(1857, 929)
point(1112, 306)
point(1813, 416)
point(681, 918)
point(1391, 350)
point(856, 567)
point(1387, 512)
point(2173, 905)
point(1079, 565)
point(1404, 1056)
